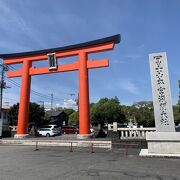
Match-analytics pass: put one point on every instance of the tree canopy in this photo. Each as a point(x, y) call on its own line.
point(73, 118)
point(106, 111)
point(68, 111)
point(140, 112)
point(36, 114)
point(176, 111)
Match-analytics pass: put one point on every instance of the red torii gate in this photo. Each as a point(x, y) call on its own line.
point(82, 65)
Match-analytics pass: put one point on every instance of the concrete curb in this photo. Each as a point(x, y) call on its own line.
point(144, 153)
point(74, 143)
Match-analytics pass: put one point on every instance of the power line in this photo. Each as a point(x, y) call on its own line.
point(45, 96)
point(33, 91)
point(13, 82)
point(11, 99)
point(71, 94)
point(11, 67)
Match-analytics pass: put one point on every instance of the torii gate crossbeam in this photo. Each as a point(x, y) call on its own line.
point(82, 65)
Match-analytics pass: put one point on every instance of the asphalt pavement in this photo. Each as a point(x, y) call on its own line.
point(58, 163)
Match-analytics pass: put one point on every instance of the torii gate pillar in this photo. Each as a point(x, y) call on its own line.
point(84, 122)
point(83, 64)
point(23, 115)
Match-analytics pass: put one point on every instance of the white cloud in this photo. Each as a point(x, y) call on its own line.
point(11, 22)
point(12, 46)
point(67, 103)
point(70, 103)
point(10, 97)
point(129, 86)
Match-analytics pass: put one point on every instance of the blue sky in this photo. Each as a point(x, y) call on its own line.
point(146, 26)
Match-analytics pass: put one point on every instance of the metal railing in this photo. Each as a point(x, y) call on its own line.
point(92, 146)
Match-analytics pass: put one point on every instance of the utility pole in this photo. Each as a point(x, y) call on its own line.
point(2, 86)
point(51, 103)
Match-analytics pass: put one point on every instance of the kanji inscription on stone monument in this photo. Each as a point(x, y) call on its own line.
point(163, 112)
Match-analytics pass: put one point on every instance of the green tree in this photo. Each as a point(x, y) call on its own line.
point(106, 111)
point(130, 112)
point(46, 119)
point(141, 112)
point(36, 114)
point(13, 114)
point(176, 113)
point(145, 113)
point(68, 111)
point(73, 118)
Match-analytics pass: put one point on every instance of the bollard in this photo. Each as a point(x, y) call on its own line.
point(71, 150)
point(36, 146)
point(92, 148)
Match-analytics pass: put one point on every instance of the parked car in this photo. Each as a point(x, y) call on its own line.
point(49, 130)
point(69, 130)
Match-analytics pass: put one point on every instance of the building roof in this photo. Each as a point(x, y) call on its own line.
point(115, 39)
point(55, 113)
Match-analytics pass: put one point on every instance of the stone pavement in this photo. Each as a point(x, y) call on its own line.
point(58, 163)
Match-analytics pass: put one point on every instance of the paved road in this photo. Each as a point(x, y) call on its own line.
point(57, 163)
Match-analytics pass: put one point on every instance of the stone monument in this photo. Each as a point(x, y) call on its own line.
point(165, 141)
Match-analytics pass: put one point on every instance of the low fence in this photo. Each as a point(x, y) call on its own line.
point(91, 145)
point(72, 144)
point(130, 133)
point(139, 133)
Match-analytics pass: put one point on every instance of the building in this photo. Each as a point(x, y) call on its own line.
point(4, 124)
point(58, 117)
